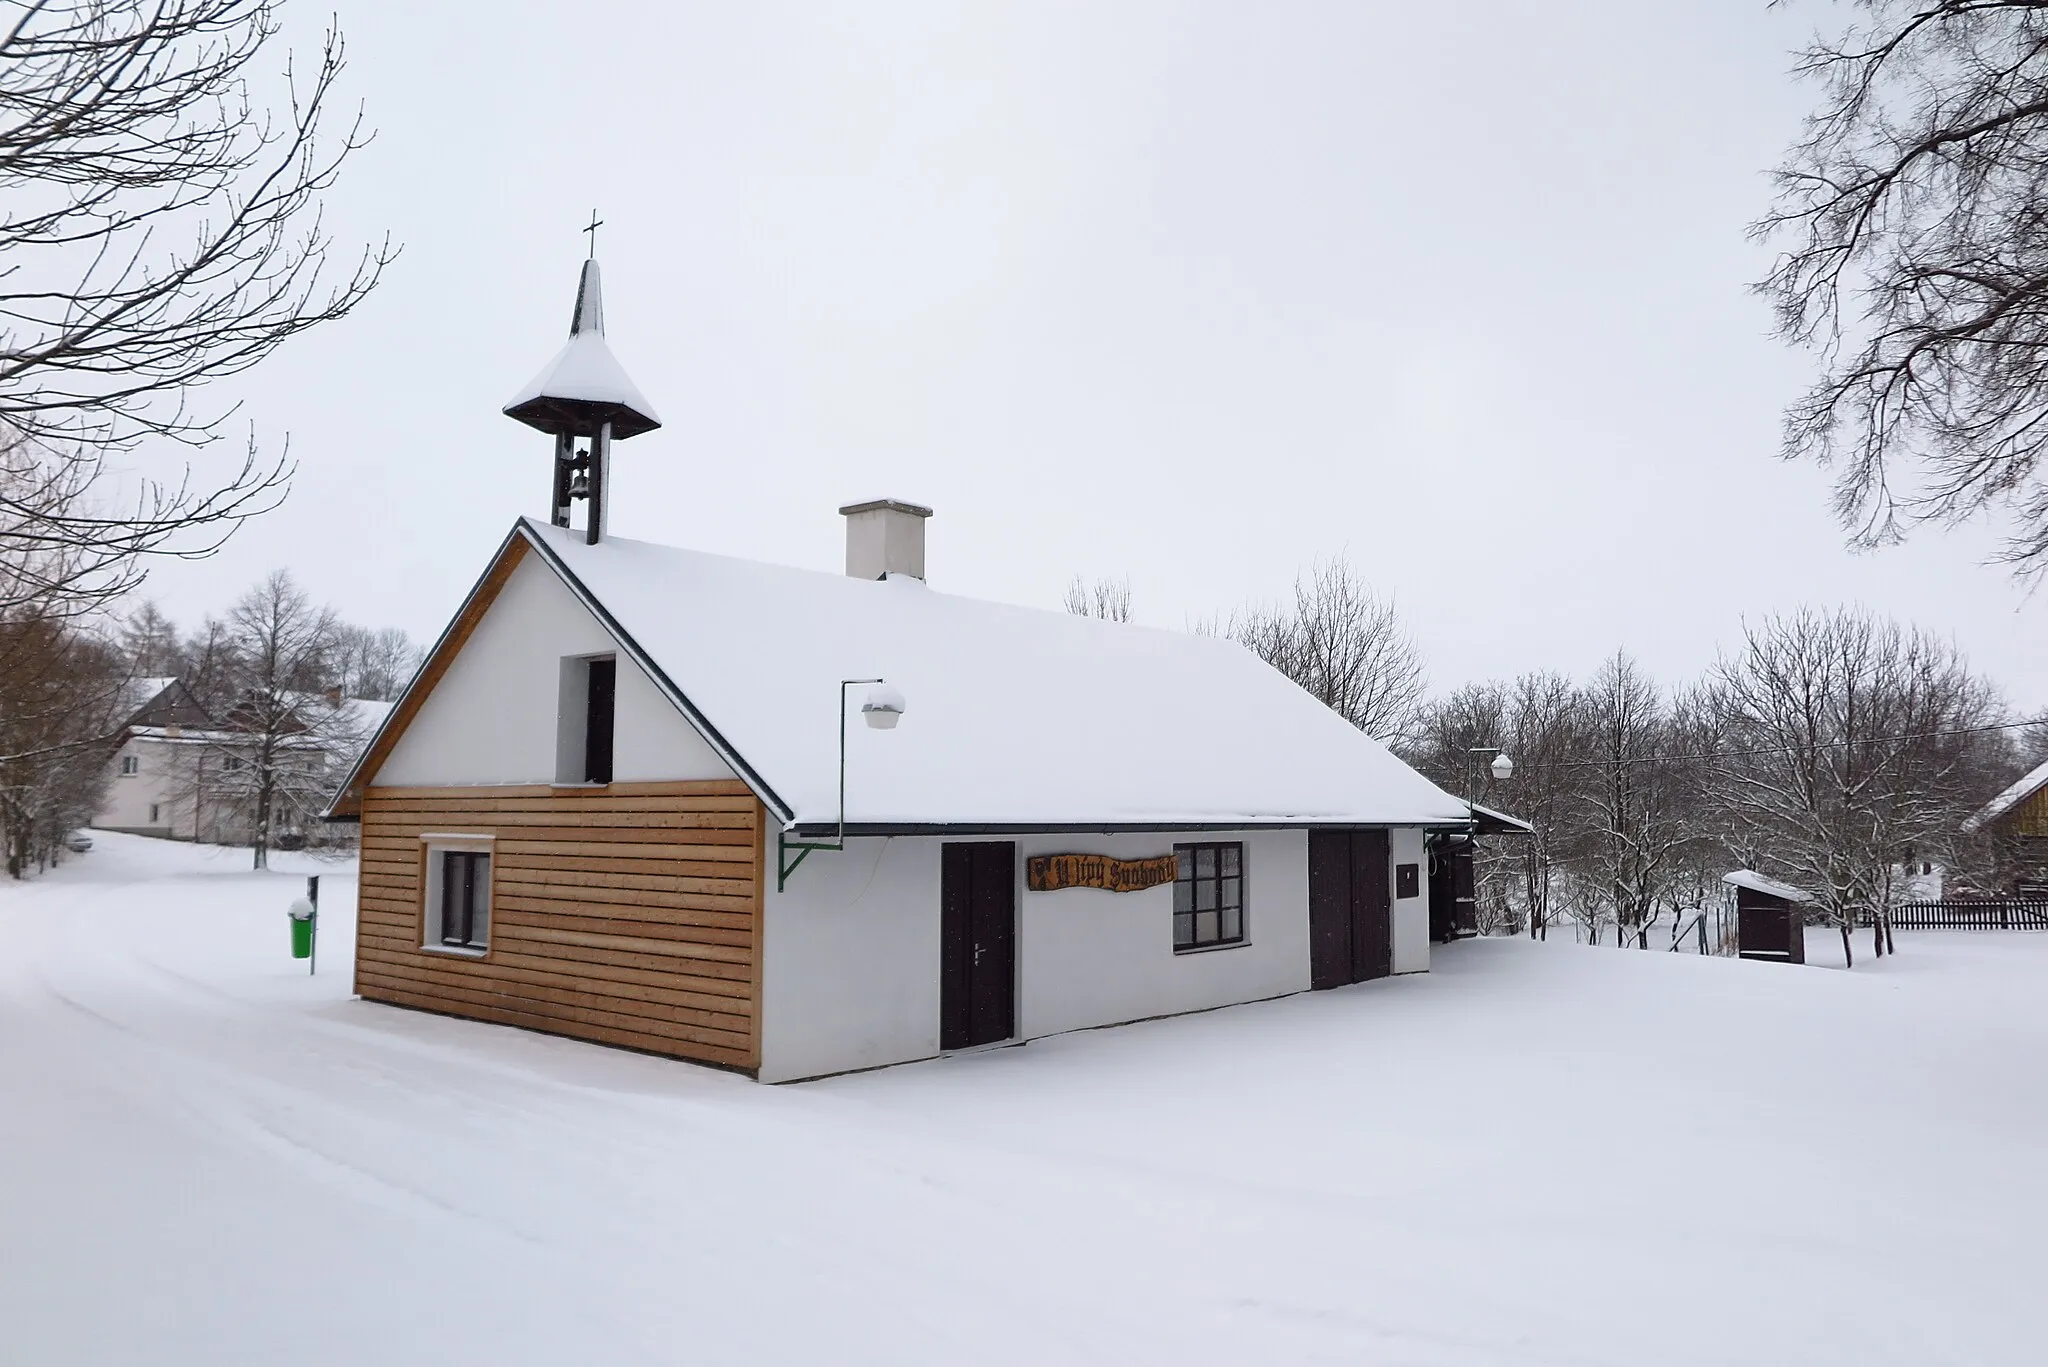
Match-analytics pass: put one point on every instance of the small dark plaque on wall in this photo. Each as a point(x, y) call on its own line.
point(1407, 880)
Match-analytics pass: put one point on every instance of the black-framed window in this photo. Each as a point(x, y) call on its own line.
point(1208, 896)
point(130, 765)
point(600, 701)
point(465, 911)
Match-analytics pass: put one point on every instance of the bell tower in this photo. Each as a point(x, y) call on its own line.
point(584, 400)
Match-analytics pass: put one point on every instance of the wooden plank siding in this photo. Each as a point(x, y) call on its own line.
point(2029, 818)
point(628, 914)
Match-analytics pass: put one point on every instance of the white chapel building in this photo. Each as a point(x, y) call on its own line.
point(797, 824)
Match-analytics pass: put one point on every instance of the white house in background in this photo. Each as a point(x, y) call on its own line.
point(147, 794)
point(623, 801)
point(181, 774)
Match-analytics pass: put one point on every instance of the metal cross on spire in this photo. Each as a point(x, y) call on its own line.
point(595, 224)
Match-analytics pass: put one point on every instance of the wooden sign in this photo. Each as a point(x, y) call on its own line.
point(1051, 872)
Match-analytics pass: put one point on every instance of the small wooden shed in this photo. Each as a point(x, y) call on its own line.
point(1770, 917)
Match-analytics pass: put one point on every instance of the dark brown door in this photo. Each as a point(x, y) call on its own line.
point(1350, 912)
point(1372, 907)
point(1329, 908)
point(977, 943)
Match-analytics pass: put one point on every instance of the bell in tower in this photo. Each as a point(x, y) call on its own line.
point(584, 399)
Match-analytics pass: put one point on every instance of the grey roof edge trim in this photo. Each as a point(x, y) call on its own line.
point(355, 772)
point(1499, 822)
point(814, 830)
point(724, 749)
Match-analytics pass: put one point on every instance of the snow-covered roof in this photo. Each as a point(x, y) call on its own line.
point(358, 716)
point(2033, 782)
point(1489, 819)
point(1014, 717)
point(1770, 887)
point(584, 384)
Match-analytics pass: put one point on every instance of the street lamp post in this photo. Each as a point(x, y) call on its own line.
point(1502, 770)
point(881, 710)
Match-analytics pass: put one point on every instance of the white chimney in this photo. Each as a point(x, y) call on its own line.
point(884, 536)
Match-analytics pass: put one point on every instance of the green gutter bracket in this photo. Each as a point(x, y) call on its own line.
point(785, 866)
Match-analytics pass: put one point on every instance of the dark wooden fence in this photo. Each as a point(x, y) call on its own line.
point(1957, 914)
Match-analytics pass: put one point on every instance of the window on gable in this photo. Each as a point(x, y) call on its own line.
point(584, 720)
point(130, 765)
point(597, 725)
point(1208, 896)
point(459, 899)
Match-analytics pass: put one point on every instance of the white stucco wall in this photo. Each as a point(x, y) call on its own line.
point(1411, 914)
point(851, 950)
point(156, 780)
point(850, 959)
point(1087, 957)
point(492, 717)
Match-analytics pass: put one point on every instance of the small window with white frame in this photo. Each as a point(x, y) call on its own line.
point(130, 766)
point(458, 895)
point(1208, 896)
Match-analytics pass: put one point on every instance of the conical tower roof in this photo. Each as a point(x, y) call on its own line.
point(584, 387)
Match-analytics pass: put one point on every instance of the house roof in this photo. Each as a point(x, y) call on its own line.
point(1015, 717)
point(1491, 822)
point(2034, 781)
point(162, 702)
point(1770, 887)
point(357, 719)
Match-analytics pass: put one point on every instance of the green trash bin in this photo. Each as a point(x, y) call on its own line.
point(302, 929)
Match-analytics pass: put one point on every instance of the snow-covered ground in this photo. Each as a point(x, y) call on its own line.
point(1533, 1155)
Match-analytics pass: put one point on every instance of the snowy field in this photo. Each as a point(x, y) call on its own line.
point(1537, 1154)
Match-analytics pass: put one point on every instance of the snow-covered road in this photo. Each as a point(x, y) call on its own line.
point(1534, 1155)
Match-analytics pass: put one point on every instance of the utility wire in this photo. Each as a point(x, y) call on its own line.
point(1776, 749)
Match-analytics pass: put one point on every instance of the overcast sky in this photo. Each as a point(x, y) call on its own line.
point(1192, 293)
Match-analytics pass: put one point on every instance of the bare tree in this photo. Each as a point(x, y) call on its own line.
point(1917, 262)
point(1108, 599)
point(60, 698)
point(149, 640)
point(272, 747)
point(1849, 741)
point(163, 232)
point(1545, 732)
point(374, 664)
point(1344, 644)
point(1538, 719)
point(209, 665)
point(1639, 790)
